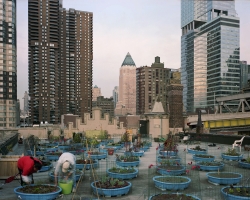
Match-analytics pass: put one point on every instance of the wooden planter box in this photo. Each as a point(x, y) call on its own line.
point(8, 165)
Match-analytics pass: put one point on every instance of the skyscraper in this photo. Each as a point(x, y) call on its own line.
point(96, 92)
point(209, 52)
point(8, 65)
point(26, 102)
point(151, 83)
point(115, 95)
point(60, 61)
point(127, 88)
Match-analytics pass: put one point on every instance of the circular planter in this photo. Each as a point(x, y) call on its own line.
point(168, 153)
point(244, 164)
point(172, 184)
point(128, 164)
point(27, 196)
point(38, 153)
point(123, 176)
point(52, 157)
point(233, 179)
point(51, 150)
point(228, 196)
point(132, 153)
point(99, 156)
point(172, 172)
point(87, 166)
point(196, 151)
point(196, 157)
point(173, 159)
point(194, 197)
point(45, 167)
point(228, 157)
point(145, 148)
point(111, 192)
point(52, 177)
point(210, 167)
point(63, 147)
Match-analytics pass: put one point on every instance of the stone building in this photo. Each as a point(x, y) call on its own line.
point(106, 104)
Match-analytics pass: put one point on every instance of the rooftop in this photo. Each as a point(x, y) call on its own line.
point(143, 185)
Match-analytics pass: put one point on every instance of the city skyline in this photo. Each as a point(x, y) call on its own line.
point(121, 27)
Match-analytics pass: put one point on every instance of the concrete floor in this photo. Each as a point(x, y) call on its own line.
point(143, 186)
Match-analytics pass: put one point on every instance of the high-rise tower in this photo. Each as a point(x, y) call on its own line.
point(60, 61)
point(209, 52)
point(8, 64)
point(151, 83)
point(127, 88)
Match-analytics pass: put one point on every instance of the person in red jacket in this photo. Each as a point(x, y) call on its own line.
point(27, 165)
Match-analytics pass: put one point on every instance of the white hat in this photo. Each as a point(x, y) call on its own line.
point(65, 166)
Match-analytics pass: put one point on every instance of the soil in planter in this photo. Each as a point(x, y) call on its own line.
point(55, 153)
point(122, 170)
point(210, 163)
point(171, 167)
point(110, 183)
point(172, 197)
point(224, 175)
point(84, 162)
point(172, 179)
point(203, 156)
point(238, 191)
point(198, 148)
point(46, 163)
point(38, 189)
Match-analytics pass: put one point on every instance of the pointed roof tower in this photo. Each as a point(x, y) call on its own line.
point(128, 60)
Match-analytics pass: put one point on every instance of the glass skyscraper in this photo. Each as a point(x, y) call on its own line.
point(209, 52)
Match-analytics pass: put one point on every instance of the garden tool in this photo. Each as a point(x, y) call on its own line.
point(9, 180)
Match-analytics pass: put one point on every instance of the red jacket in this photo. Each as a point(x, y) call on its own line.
point(26, 164)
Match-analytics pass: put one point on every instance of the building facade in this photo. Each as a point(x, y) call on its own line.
point(127, 88)
point(151, 83)
point(106, 104)
point(209, 52)
point(26, 103)
point(60, 61)
point(96, 92)
point(115, 95)
point(8, 64)
point(244, 75)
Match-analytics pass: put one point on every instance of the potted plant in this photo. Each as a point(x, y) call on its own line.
point(52, 156)
point(46, 166)
point(224, 178)
point(244, 163)
point(110, 187)
point(171, 182)
point(122, 173)
point(203, 157)
point(210, 166)
point(86, 164)
point(96, 155)
point(169, 167)
point(111, 151)
point(236, 192)
point(169, 148)
point(231, 154)
point(127, 161)
point(42, 191)
point(173, 196)
point(197, 150)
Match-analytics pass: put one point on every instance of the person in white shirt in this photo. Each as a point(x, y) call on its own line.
point(65, 168)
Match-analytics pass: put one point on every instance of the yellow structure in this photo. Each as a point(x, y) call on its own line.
point(227, 123)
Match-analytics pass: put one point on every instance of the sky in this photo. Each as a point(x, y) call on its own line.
point(144, 28)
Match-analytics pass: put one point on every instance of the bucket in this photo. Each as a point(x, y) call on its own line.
point(66, 187)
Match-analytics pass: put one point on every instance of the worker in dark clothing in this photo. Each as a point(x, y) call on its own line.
point(27, 165)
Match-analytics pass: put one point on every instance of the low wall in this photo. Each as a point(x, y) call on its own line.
point(220, 138)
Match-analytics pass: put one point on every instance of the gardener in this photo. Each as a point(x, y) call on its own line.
point(27, 165)
point(65, 168)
